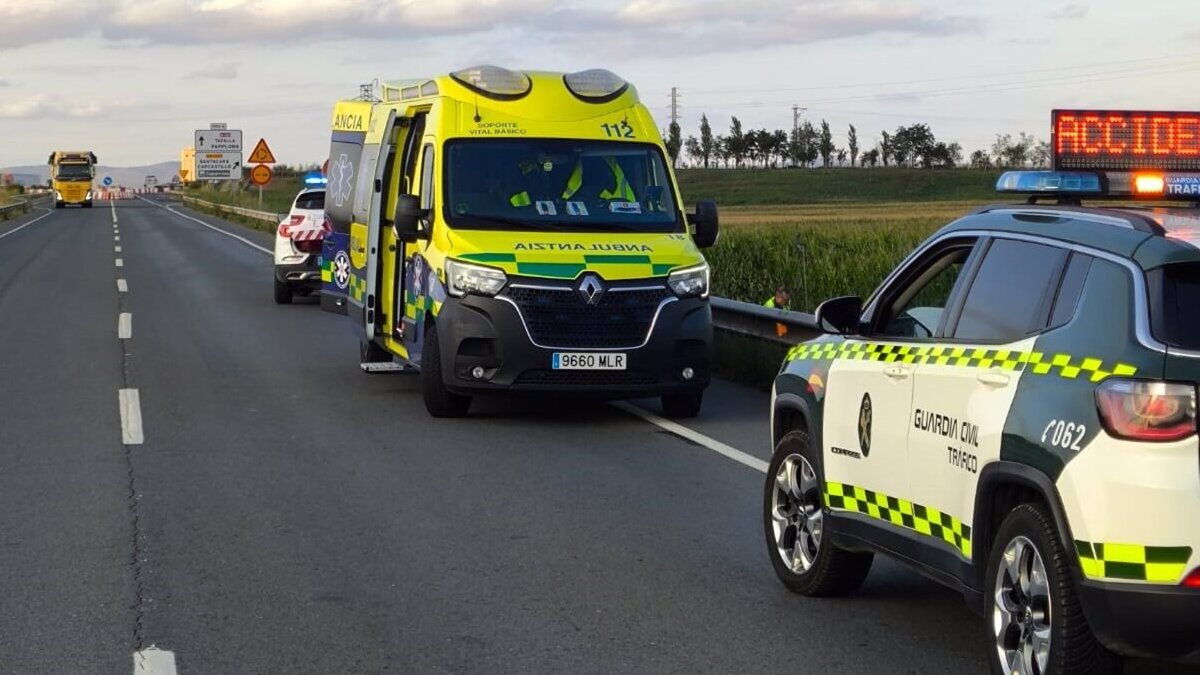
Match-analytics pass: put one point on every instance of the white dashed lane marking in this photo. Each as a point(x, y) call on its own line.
point(116, 249)
point(122, 286)
point(154, 661)
point(131, 417)
point(120, 263)
point(125, 326)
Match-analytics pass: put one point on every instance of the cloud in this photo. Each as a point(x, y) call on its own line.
point(41, 106)
point(662, 26)
point(223, 71)
point(672, 26)
point(5, 83)
point(1071, 12)
point(25, 23)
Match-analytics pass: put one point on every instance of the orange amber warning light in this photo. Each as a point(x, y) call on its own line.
point(1149, 184)
point(1126, 140)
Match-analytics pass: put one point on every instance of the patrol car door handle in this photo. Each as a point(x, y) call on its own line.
point(994, 378)
point(897, 372)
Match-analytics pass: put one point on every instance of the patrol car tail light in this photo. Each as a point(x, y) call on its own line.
point(596, 85)
point(1193, 580)
point(464, 279)
point(1147, 411)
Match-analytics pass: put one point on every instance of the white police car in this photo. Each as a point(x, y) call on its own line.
point(1013, 411)
point(298, 246)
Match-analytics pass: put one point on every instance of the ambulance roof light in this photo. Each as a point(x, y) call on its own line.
point(494, 82)
point(1050, 182)
point(596, 85)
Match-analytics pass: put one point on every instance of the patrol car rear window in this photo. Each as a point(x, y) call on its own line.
point(1175, 295)
point(1010, 295)
point(311, 200)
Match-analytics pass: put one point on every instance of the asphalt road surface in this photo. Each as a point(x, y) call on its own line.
point(253, 503)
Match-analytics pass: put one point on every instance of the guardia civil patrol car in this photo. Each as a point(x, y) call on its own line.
point(503, 230)
point(1013, 411)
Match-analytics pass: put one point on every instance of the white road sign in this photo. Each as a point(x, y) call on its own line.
point(219, 166)
point(218, 140)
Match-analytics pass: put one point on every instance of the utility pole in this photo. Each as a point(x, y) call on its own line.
point(796, 110)
point(674, 105)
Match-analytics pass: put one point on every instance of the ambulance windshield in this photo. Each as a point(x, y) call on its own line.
point(559, 185)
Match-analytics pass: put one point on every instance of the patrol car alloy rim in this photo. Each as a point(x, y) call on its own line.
point(796, 513)
point(1021, 619)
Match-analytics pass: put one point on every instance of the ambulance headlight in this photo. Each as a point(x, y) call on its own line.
point(494, 81)
point(596, 84)
point(465, 279)
point(691, 282)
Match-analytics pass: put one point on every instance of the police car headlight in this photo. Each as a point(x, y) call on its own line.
point(466, 279)
point(690, 283)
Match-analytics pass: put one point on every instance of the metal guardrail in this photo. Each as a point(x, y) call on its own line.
point(264, 216)
point(765, 323)
point(743, 318)
point(17, 207)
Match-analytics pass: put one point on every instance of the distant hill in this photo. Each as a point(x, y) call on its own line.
point(128, 176)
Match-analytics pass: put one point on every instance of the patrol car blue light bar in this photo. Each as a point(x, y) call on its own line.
point(316, 180)
point(1051, 182)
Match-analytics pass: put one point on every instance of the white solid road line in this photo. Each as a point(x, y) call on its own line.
point(214, 229)
point(122, 286)
point(694, 436)
point(153, 661)
point(131, 417)
point(120, 263)
point(18, 229)
point(125, 326)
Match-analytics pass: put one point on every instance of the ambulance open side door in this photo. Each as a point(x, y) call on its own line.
point(374, 223)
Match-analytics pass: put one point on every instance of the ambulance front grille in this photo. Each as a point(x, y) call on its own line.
point(560, 318)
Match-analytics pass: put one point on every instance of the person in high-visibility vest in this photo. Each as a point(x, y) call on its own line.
point(779, 301)
point(620, 190)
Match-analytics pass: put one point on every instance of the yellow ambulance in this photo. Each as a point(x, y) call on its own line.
point(509, 231)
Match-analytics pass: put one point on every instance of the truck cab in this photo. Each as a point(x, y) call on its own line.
point(71, 174)
point(518, 231)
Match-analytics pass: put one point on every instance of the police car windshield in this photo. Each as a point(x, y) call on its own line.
point(560, 185)
point(74, 172)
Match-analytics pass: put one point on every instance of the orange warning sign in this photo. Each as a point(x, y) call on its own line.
point(261, 153)
point(260, 174)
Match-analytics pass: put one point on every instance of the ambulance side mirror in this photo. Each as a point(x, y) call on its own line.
point(840, 316)
point(409, 215)
point(705, 220)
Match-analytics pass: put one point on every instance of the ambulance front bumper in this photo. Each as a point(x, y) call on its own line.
point(487, 346)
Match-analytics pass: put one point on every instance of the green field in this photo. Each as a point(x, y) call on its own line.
point(821, 233)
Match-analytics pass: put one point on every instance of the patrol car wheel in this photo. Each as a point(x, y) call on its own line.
point(439, 401)
point(283, 293)
point(796, 528)
point(1035, 623)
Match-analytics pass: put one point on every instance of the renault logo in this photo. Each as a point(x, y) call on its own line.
point(591, 288)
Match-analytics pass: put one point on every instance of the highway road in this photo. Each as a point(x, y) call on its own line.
point(262, 506)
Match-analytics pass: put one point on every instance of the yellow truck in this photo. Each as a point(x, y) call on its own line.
point(71, 174)
point(504, 231)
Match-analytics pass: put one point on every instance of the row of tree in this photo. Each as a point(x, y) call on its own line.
point(806, 145)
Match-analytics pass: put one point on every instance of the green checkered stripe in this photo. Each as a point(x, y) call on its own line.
point(358, 287)
point(415, 307)
point(1133, 562)
point(1037, 363)
point(902, 513)
point(326, 271)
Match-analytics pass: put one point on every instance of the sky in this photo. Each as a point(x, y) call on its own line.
point(132, 79)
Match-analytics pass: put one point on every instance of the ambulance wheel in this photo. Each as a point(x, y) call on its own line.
point(439, 401)
point(369, 352)
point(1034, 621)
point(684, 404)
point(798, 542)
point(283, 293)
